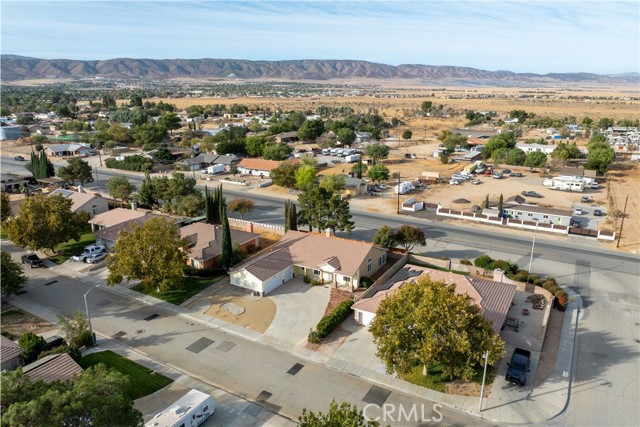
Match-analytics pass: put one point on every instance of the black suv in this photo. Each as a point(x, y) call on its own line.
point(32, 260)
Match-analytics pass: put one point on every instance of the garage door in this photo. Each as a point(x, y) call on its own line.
point(277, 280)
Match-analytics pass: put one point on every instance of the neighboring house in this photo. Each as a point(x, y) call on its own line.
point(530, 148)
point(206, 244)
point(353, 186)
point(12, 183)
point(516, 200)
point(363, 136)
point(10, 132)
point(472, 140)
point(68, 150)
point(493, 298)
point(114, 217)
point(56, 367)
point(259, 167)
point(287, 137)
point(203, 161)
point(539, 214)
point(83, 202)
point(9, 354)
point(331, 260)
point(108, 236)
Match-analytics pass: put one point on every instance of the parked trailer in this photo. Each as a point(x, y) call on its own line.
point(470, 168)
point(352, 158)
point(191, 410)
point(403, 187)
point(576, 186)
point(213, 169)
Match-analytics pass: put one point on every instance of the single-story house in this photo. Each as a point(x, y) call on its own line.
point(286, 137)
point(259, 167)
point(203, 161)
point(56, 367)
point(108, 236)
point(206, 244)
point(530, 148)
point(539, 214)
point(10, 353)
point(83, 202)
point(332, 260)
point(353, 186)
point(493, 298)
point(10, 132)
point(363, 136)
point(113, 217)
point(516, 200)
point(68, 150)
point(12, 183)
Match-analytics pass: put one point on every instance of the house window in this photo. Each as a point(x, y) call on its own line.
point(94, 209)
point(369, 264)
point(529, 214)
point(381, 259)
point(316, 272)
point(346, 279)
point(545, 216)
point(519, 213)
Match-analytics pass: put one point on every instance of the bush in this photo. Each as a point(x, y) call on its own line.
point(32, 345)
point(506, 266)
point(134, 163)
point(329, 322)
point(551, 286)
point(8, 334)
point(532, 278)
point(561, 301)
point(314, 282)
point(483, 261)
point(74, 352)
point(306, 279)
point(203, 272)
point(313, 337)
point(366, 282)
point(521, 276)
point(465, 262)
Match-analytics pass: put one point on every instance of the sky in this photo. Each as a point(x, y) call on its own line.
point(533, 36)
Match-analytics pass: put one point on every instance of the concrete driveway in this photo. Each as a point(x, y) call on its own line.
point(358, 347)
point(299, 307)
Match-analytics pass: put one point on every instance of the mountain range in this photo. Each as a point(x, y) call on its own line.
point(14, 67)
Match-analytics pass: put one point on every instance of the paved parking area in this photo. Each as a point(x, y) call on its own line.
point(587, 218)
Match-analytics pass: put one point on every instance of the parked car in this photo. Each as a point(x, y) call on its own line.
point(585, 199)
point(32, 259)
point(598, 212)
point(595, 186)
point(94, 258)
point(578, 211)
point(518, 367)
point(18, 158)
point(454, 182)
point(496, 175)
point(506, 171)
point(487, 172)
point(89, 250)
point(516, 174)
point(533, 170)
point(476, 181)
point(532, 194)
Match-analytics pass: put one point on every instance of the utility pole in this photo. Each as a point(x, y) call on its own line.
point(624, 213)
point(533, 245)
point(398, 191)
point(97, 176)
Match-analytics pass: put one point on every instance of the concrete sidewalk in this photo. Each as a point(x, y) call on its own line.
point(541, 404)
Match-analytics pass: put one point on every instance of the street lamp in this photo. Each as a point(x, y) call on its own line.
point(86, 307)
point(533, 245)
point(484, 375)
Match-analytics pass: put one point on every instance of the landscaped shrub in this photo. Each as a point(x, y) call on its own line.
point(306, 279)
point(313, 337)
point(314, 282)
point(32, 345)
point(483, 261)
point(562, 299)
point(551, 286)
point(74, 352)
point(520, 276)
point(329, 322)
point(135, 163)
point(532, 278)
point(465, 262)
point(506, 266)
point(366, 282)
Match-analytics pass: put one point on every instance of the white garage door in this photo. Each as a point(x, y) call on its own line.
point(270, 284)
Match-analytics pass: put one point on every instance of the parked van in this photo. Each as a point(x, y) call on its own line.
point(352, 158)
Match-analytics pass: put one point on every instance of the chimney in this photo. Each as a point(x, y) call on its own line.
point(249, 227)
point(215, 232)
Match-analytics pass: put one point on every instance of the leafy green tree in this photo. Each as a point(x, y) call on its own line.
point(452, 140)
point(310, 130)
point(32, 345)
point(170, 122)
point(255, 145)
point(565, 151)
point(153, 253)
point(346, 136)
point(515, 156)
point(376, 152)
point(13, 278)
point(337, 215)
point(236, 146)
point(499, 155)
point(305, 176)
point(505, 140)
point(426, 323)
point(94, 398)
point(241, 205)
point(148, 135)
point(521, 115)
point(407, 134)
point(40, 166)
point(334, 183)
point(385, 237)
point(409, 236)
point(136, 100)
point(276, 151)
point(337, 416)
point(77, 170)
point(75, 330)
point(535, 159)
point(44, 222)
point(5, 211)
point(605, 123)
point(285, 174)
point(119, 187)
point(600, 158)
point(147, 191)
point(486, 202)
point(426, 106)
point(378, 173)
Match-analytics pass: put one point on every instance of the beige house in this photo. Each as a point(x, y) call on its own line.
point(331, 260)
point(113, 217)
point(83, 202)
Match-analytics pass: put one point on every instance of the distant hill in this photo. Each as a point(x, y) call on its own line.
point(16, 67)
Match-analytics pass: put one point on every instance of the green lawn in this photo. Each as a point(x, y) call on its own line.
point(191, 286)
point(436, 381)
point(3, 233)
point(71, 248)
point(142, 381)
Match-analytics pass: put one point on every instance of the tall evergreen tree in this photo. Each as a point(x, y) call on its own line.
point(500, 204)
point(226, 259)
point(207, 205)
point(147, 191)
point(293, 217)
point(287, 217)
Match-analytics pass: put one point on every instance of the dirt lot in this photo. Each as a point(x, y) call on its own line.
point(258, 312)
point(18, 322)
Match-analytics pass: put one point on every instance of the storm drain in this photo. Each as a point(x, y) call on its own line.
point(295, 369)
point(200, 345)
point(50, 283)
point(263, 396)
point(377, 395)
point(253, 410)
point(153, 316)
point(105, 303)
point(119, 334)
point(226, 346)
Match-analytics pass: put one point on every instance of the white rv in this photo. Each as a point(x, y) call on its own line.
point(191, 410)
point(352, 158)
point(572, 185)
point(403, 187)
point(213, 169)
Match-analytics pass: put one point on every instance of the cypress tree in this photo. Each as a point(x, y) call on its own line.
point(287, 218)
point(293, 217)
point(226, 259)
point(207, 205)
point(500, 204)
point(486, 202)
